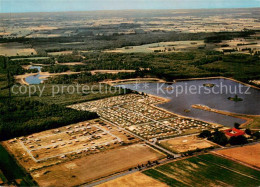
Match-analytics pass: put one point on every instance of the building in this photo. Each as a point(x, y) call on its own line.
point(233, 132)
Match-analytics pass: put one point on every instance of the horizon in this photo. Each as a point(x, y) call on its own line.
point(41, 6)
point(115, 10)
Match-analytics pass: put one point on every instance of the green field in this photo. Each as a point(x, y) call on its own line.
point(205, 170)
point(30, 58)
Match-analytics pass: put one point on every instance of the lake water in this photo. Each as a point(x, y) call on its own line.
point(217, 98)
point(35, 79)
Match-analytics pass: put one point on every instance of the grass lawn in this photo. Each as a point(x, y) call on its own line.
point(205, 170)
point(255, 124)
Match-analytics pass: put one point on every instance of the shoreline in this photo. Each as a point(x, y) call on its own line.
point(21, 78)
point(164, 100)
point(236, 115)
point(248, 121)
point(219, 77)
point(187, 117)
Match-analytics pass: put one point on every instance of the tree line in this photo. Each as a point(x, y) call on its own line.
point(23, 117)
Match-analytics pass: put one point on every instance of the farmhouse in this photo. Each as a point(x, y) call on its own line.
point(233, 132)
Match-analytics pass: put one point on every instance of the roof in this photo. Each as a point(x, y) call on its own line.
point(234, 132)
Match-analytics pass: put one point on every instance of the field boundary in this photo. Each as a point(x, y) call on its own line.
point(235, 160)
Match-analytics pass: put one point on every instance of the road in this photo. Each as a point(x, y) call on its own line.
point(110, 178)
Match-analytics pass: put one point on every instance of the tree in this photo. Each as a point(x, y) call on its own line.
point(257, 135)
point(205, 134)
point(219, 138)
point(236, 125)
point(248, 131)
point(238, 140)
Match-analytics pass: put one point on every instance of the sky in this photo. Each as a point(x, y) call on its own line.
point(7, 6)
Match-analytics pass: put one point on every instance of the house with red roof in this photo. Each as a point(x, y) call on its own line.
point(233, 132)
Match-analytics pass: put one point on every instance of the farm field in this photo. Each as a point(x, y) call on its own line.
point(30, 58)
point(249, 154)
point(177, 46)
point(136, 179)
point(95, 166)
point(93, 72)
point(60, 53)
point(185, 143)
point(205, 170)
point(239, 45)
point(13, 49)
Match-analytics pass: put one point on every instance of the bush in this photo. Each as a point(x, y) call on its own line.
point(257, 135)
point(238, 140)
point(219, 138)
point(248, 131)
point(236, 125)
point(205, 134)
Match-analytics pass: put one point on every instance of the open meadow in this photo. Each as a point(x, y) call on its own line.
point(95, 166)
point(14, 49)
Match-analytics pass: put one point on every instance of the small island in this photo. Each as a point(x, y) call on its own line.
point(168, 88)
point(209, 85)
point(236, 99)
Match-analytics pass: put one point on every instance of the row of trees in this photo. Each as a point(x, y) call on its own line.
point(220, 138)
point(86, 77)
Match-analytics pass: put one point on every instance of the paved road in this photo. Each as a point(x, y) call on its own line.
point(110, 178)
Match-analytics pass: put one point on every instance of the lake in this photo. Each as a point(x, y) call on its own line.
point(35, 79)
point(214, 97)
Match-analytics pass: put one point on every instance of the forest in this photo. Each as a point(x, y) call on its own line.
point(24, 117)
point(167, 66)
